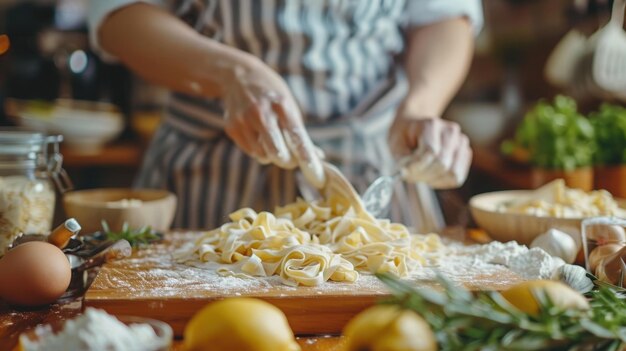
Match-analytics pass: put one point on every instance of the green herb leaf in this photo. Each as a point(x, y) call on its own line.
point(136, 237)
point(486, 321)
point(555, 135)
point(609, 124)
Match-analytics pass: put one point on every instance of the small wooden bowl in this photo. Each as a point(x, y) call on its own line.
point(155, 208)
point(522, 228)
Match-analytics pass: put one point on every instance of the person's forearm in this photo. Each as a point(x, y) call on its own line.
point(437, 59)
point(162, 49)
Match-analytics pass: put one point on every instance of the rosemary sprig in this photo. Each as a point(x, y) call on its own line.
point(485, 321)
point(600, 283)
point(135, 236)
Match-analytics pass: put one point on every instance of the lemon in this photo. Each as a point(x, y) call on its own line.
point(389, 328)
point(523, 296)
point(242, 324)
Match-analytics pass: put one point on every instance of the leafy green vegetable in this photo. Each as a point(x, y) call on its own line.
point(610, 128)
point(136, 237)
point(556, 136)
point(485, 321)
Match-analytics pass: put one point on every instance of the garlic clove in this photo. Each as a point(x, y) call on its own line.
point(557, 244)
point(600, 252)
point(573, 232)
point(610, 268)
point(606, 234)
point(575, 277)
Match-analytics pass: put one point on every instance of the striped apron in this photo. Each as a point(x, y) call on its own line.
point(338, 58)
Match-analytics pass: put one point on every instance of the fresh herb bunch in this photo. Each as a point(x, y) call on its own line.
point(555, 135)
point(610, 127)
point(136, 237)
point(486, 321)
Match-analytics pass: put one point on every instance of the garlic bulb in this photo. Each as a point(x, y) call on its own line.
point(575, 277)
point(558, 244)
point(574, 233)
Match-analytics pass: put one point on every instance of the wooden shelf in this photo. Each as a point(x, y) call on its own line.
point(121, 154)
point(493, 164)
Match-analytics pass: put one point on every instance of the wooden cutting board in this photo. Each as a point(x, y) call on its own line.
point(150, 284)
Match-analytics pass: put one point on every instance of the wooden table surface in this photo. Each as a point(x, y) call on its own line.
point(14, 322)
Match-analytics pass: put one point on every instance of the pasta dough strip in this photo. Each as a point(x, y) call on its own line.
point(311, 243)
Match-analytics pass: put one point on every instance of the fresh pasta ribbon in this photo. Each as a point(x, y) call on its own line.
point(311, 243)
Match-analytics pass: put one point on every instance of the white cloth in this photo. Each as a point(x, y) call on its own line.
point(424, 12)
point(418, 12)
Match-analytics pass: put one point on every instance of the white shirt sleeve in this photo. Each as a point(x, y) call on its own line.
point(424, 12)
point(98, 12)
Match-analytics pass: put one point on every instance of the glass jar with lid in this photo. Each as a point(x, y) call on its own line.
point(30, 171)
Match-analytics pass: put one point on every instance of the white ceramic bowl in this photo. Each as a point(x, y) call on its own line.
point(86, 126)
point(482, 122)
point(522, 228)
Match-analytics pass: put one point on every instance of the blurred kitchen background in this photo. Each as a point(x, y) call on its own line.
point(49, 58)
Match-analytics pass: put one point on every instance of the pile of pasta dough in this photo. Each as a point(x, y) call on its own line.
point(310, 243)
point(555, 199)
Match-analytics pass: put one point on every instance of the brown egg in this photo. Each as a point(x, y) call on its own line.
point(599, 253)
point(33, 274)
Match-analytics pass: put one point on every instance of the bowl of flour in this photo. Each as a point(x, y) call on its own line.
point(97, 330)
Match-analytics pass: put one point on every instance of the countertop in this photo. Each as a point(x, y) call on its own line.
point(13, 323)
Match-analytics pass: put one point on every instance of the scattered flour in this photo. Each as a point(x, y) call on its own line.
point(96, 330)
point(124, 203)
point(490, 266)
point(532, 263)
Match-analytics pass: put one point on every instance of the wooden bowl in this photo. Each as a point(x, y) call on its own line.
point(137, 207)
point(522, 228)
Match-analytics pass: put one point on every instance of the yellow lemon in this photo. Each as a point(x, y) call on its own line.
point(523, 296)
point(241, 324)
point(389, 328)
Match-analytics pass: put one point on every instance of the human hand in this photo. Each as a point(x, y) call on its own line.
point(264, 120)
point(440, 154)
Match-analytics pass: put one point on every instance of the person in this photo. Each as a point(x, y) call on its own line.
point(262, 88)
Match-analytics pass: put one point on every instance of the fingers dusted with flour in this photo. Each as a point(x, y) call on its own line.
point(299, 143)
point(261, 115)
point(263, 118)
point(440, 154)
